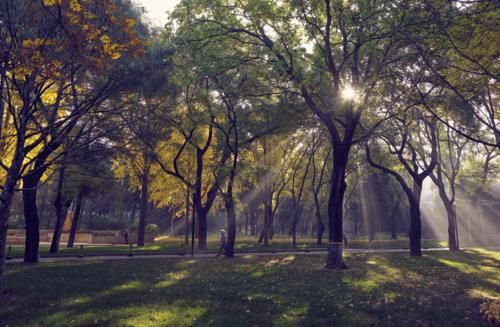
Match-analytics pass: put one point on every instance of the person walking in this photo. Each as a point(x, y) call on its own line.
point(125, 235)
point(223, 239)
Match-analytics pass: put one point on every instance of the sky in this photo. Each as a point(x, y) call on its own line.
point(155, 9)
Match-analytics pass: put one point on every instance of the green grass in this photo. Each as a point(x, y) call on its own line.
point(172, 245)
point(439, 289)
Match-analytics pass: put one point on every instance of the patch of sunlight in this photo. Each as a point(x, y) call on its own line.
point(494, 255)
point(248, 256)
point(162, 238)
point(371, 262)
point(482, 294)
point(185, 263)
point(132, 284)
point(77, 301)
point(65, 318)
point(292, 316)
point(462, 266)
point(271, 263)
point(172, 278)
point(391, 272)
point(365, 284)
point(152, 247)
point(257, 274)
point(287, 260)
point(390, 297)
point(171, 315)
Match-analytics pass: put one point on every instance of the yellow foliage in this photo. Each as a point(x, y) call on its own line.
point(49, 3)
point(75, 5)
point(105, 39)
point(130, 22)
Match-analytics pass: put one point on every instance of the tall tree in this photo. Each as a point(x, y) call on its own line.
point(349, 47)
point(415, 145)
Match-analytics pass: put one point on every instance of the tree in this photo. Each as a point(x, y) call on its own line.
point(452, 40)
point(317, 185)
point(450, 156)
point(43, 72)
point(304, 154)
point(350, 49)
point(413, 141)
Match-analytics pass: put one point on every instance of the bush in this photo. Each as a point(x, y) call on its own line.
point(152, 229)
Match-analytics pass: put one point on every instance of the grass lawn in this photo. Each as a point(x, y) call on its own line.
point(439, 289)
point(172, 245)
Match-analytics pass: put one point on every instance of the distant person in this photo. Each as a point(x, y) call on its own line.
point(223, 239)
point(125, 235)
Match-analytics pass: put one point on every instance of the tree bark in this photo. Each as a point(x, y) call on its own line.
point(6, 195)
point(144, 204)
point(231, 226)
point(415, 221)
point(267, 228)
point(253, 223)
point(319, 221)
point(335, 208)
point(32, 239)
point(186, 220)
point(76, 219)
point(394, 229)
point(246, 223)
point(61, 207)
point(452, 225)
point(202, 228)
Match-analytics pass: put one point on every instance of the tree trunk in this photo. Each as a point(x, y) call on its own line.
point(186, 220)
point(267, 228)
point(335, 208)
point(393, 222)
point(319, 221)
point(371, 223)
point(76, 219)
point(415, 222)
point(356, 225)
point(61, 211)
point(6, 195)
point(293, 231)
point(231, 225)
point(144, 205)
point(452, 225)
point(32, 240)
point(43, 207)
point(5, 202)
point(54, 246)
point(246, 223)
point(202, 228)
point(253, 223)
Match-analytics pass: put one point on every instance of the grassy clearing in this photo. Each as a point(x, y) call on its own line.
point(439, 289)
point(172, 245)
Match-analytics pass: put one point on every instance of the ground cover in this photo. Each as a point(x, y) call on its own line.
point(172, 245)
point(439, 289)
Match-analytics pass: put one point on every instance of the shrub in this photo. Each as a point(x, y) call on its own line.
point(152, 229)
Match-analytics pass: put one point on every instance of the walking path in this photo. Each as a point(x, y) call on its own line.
point(212, 255)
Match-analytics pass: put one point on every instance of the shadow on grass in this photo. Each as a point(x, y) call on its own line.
point(439, 289)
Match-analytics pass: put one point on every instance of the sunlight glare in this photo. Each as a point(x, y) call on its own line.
point(348, 93)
